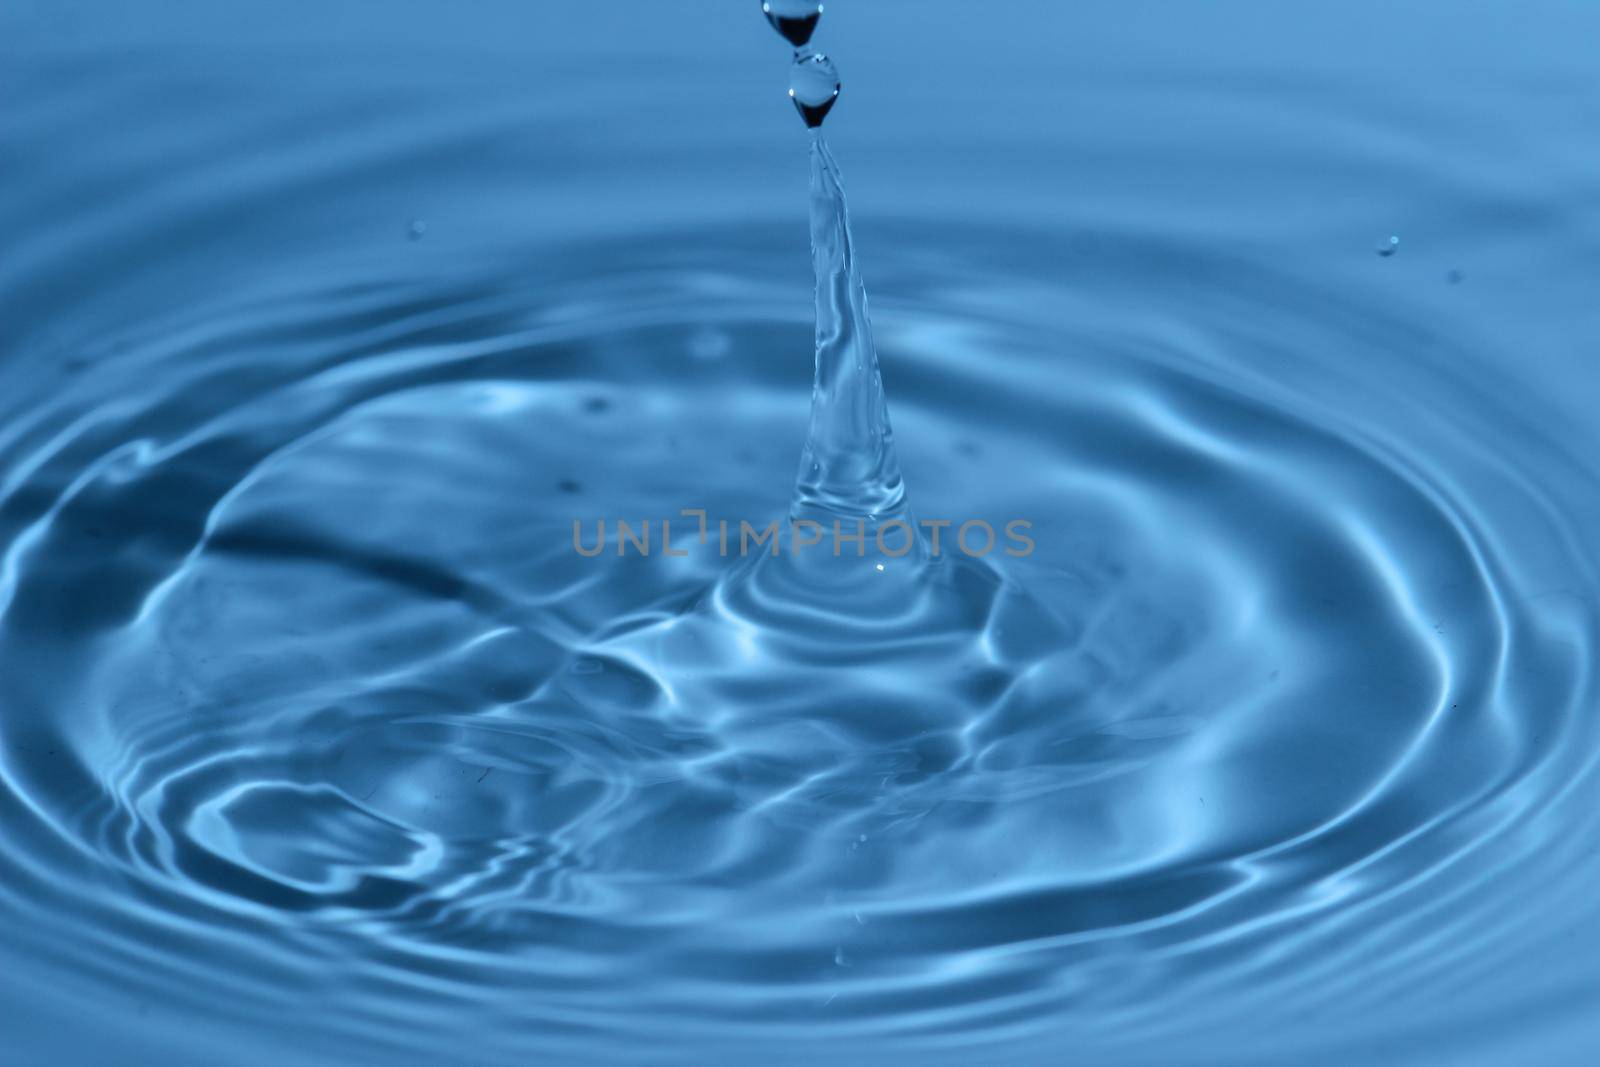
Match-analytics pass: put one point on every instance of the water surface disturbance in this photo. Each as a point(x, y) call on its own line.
point(1278, 747)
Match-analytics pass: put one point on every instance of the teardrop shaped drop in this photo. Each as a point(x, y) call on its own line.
point(813, 86)
point(796, 20)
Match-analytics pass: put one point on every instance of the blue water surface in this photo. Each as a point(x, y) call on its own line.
point(321, 324)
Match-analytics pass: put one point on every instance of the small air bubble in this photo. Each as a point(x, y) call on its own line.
point(417, 230)
point(1388, 246)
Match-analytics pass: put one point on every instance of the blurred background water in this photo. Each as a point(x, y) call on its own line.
point(321, 322)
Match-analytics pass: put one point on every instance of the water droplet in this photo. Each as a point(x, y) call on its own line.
point(813, 86)
point(709, 344)
point(417, 228)
point(796, 20)
point(1388, 246)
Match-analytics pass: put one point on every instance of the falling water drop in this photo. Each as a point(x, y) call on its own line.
point(796, 20)
point(813, 86)
point(1388, 246)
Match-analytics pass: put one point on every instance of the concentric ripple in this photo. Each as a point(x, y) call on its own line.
point(309, 670)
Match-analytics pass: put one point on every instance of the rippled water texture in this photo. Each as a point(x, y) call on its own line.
point(319, 326)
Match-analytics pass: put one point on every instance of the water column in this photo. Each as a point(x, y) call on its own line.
point(849, 473)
